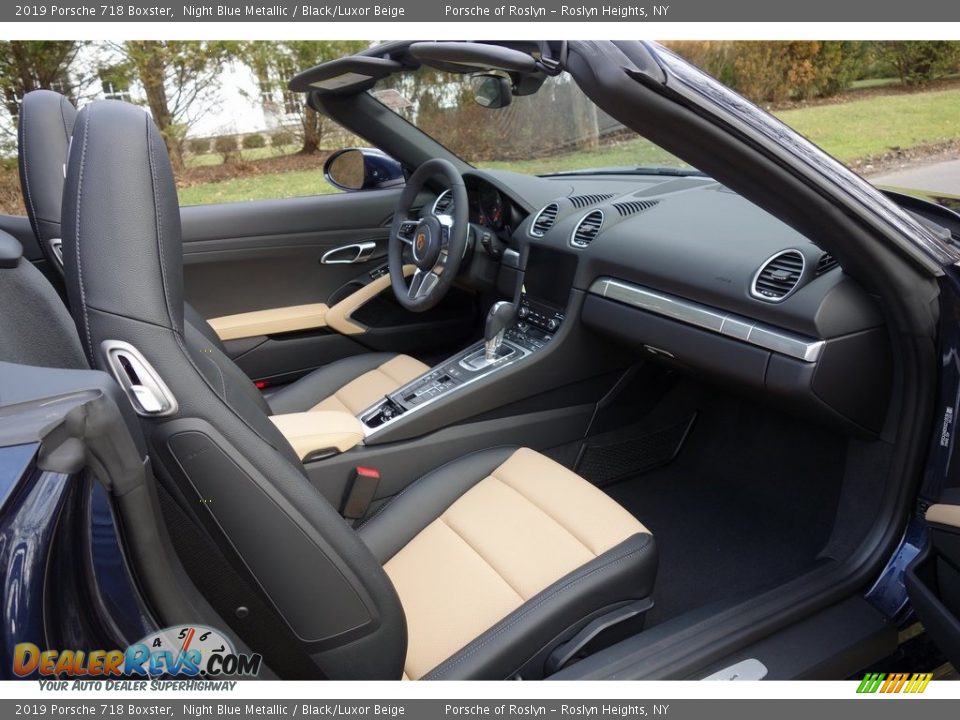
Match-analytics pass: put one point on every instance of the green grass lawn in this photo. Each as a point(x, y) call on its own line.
point(259, 187)
point(862, 128)
point(849, 131)
point(251, 154)
point(874, 83)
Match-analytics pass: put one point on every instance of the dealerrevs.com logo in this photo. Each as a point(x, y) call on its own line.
point(191, 651)
point(894, 683)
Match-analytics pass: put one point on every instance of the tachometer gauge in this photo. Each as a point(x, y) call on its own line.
point(493, 206)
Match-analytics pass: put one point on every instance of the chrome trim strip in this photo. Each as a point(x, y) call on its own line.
point(360, 251)
point(433, 208)
point(736, 327)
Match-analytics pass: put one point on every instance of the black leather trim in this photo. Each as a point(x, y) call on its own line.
point(45, 124)
point(200, 324)
point(122, 228)
point(622, 574)
point(35, 327)
point(424, 500)
point(10, 251)
point(320, 384)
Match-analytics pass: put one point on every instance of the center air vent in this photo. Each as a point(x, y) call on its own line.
point(779, 276)
point(544, 220)
point(825, 264)
point(443, 204)
point(632, 207)
point(582, 201)
point(587, 229)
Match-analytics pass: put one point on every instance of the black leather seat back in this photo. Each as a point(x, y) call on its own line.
point(43, 133)
point(244, 482)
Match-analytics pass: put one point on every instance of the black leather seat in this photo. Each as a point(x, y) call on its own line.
point(45, 124)
point(481, 569)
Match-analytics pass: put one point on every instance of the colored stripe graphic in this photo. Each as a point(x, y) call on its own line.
point(894, 683)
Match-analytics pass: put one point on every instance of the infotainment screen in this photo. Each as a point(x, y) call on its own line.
point(549, 275)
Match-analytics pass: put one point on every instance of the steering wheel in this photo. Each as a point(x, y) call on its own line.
point(436, 242)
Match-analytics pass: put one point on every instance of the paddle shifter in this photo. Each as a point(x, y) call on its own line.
point(500, 317)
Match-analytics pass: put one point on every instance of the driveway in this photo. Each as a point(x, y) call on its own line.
point(943, 177)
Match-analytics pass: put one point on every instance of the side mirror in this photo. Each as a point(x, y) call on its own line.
point(362, 169)
point(491, 91)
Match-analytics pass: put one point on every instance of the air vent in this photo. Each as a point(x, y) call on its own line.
point(544, 220)
point(825, 264)
point(632, 207)
point(587, 229)
point(779, 276)
point(443, 204)
point(582, 201)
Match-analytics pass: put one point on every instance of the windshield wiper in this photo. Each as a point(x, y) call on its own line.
point(633, 170)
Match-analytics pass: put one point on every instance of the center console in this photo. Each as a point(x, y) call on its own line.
point(540, 313)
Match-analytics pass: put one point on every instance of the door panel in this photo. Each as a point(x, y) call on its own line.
point(241, 257)
point(933, 579)
point(265, 255)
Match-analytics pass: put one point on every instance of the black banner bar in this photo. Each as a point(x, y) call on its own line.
point(482, 11)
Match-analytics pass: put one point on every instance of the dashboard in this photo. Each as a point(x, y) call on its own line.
point(689, 273)
point(489, 207)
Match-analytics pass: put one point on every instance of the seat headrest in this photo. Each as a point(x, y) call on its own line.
point(43, 132)
point(10, 251)
point(121, 219)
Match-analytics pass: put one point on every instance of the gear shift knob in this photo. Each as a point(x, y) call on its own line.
point(500, 317)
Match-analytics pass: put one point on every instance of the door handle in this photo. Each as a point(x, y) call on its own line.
point(349, 254)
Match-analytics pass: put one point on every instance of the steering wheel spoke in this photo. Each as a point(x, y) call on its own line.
point(406, 230)
point(421, 283)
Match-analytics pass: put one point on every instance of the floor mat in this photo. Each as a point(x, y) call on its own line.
point(747, 504)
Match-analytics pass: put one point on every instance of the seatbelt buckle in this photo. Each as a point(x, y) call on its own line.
point(363, 488)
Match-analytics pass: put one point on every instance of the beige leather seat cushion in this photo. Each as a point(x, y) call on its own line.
point(362, 392)
point(509, 537)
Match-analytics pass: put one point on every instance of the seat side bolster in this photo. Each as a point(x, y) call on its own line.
point(305, 393)
point(424, 500)
point(624, 573)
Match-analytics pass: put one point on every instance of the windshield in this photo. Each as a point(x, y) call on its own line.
point(555, 130)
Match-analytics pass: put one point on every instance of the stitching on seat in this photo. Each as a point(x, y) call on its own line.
point(399, 381)
point(555, 520)
point(381, 369)
point(34, 218)
point(223, 383)
point(420, 480)
point(63, 120)
point(492, 634)
point(158, 220)
point(479, 554)
point(356, 380)
point(83, 293)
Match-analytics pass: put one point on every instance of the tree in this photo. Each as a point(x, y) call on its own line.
point(920, 62)
point(274, 63)
point(37, 65)
point(178, 79)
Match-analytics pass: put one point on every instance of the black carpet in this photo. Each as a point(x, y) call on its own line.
point(747, 504)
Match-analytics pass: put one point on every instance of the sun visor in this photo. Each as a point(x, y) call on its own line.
point(346, 75)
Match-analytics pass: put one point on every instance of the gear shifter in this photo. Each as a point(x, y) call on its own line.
point(500, 317)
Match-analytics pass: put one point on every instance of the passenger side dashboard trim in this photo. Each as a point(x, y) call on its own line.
point(714, 320)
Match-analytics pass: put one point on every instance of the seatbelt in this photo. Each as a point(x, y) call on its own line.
point(363, 489)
